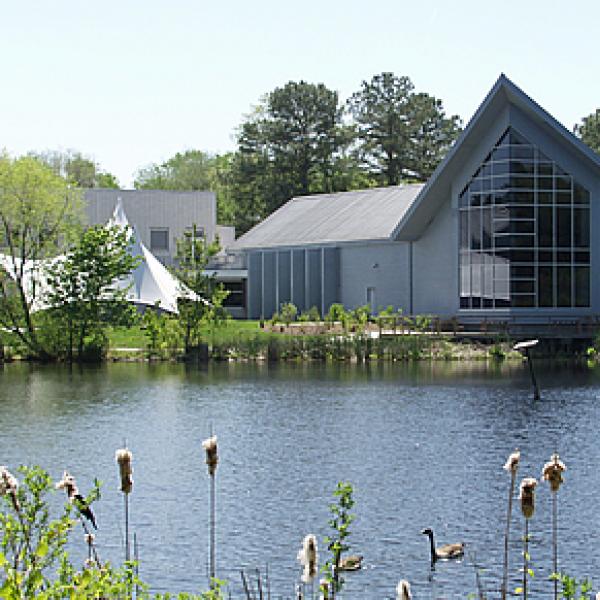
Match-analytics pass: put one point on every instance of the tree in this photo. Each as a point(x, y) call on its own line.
point(289, 146)
point(192, 170)
point(193, 254)
point(39, 214)
point(77, 169)
point(83, 297)
point(589, 130)
point(402, 135)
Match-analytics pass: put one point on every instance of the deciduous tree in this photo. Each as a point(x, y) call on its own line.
point(77, 169)
point(83, 295)
point(39, 215)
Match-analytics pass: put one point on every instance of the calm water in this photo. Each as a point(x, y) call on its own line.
point(423, 445)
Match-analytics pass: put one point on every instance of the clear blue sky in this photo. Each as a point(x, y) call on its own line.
point(132, 82)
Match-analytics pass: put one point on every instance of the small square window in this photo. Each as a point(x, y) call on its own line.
point(159, 239)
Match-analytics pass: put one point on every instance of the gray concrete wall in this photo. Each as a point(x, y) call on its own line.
point(383, 266)
point(435, 266)
point(305, 276)
point(148, 209)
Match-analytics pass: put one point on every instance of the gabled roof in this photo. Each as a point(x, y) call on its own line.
point(437, 190)
point(362, 215)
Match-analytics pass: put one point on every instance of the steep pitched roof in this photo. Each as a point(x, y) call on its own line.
point(437, 189)
point(370, 214)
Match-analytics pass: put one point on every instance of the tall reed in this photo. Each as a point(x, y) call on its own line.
point(512, 465)
point(552, 473)
point(124, 457)
point(527, 498)
point(212, 460)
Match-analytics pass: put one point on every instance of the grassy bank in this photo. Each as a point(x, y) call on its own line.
point(248, 340)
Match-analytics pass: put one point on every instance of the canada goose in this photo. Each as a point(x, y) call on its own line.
point(446, 551)
point(351, 563)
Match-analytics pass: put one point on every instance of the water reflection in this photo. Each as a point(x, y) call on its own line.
point(423, 444)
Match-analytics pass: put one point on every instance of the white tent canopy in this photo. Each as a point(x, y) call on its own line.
point(149, 284)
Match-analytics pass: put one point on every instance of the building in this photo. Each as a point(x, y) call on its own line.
point(507, 228)
point(161, 217)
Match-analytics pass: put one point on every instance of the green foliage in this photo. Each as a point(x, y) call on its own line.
point(193, 254)
point(82, 297)
point(311, 315)
point(33, 559)
point(589, 130)
point(193, 170)
point(162, 333)
point(39, 215)
point(361, 315)
point(572, 589)
point(403, 135)
point(31, 542)
point(289, 146)
point(288, 312)
point(337, 542)
point(77, 169)
point(336, 313)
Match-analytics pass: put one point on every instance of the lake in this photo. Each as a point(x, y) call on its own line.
point(422, 444)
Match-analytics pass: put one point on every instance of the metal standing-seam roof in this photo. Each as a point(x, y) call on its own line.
point(370, 214)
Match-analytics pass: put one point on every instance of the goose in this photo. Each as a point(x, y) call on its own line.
point(446, 551)
point(351, 563)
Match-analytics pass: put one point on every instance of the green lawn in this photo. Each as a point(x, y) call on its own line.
point(134, 337)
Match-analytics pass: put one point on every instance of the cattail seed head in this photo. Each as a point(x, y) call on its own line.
point(9, 486)
point(324, 587)
point(512, 464)
point(123, 458)
point(212, 456)
point(552, 472)
point(309, 557)
point(403, 590)
point(527, 496)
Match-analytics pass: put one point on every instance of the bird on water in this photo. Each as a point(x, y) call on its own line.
point(446, 551)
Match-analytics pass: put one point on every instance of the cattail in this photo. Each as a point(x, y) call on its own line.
point(212, 457)
point(512, 464)
point(212, 460)
point(324, 587)
point(552, 472)
point(123, 458)
point(403, 590)
point(527, 496)
point(309, 558)
point(9, 486)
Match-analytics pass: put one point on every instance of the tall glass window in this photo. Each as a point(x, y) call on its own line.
point(524, 232)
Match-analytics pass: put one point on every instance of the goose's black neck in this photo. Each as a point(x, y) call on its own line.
point(432, 544)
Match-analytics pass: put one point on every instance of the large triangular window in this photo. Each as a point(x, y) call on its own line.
point(524, 232)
